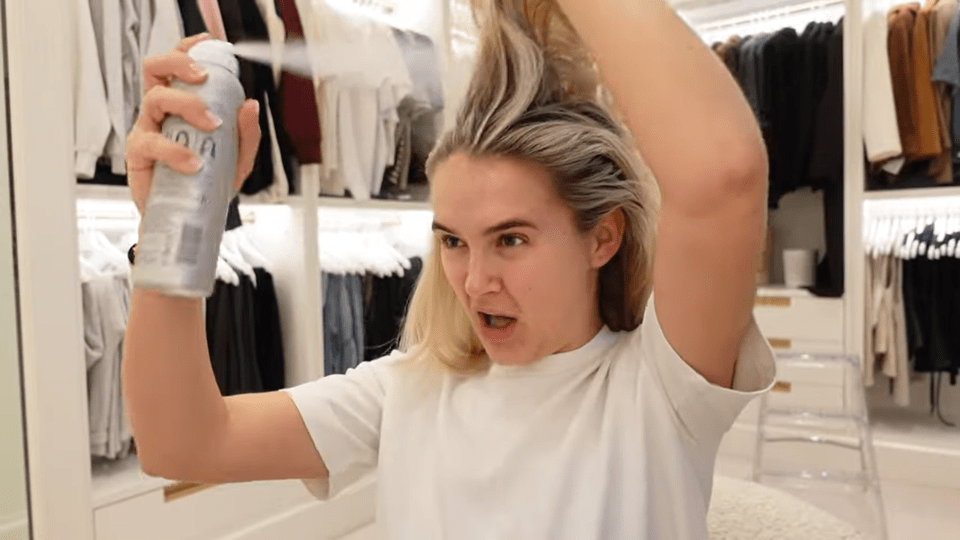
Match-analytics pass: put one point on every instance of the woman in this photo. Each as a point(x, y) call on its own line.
point(529, 400)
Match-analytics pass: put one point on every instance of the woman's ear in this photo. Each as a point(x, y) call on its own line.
point(607, 237)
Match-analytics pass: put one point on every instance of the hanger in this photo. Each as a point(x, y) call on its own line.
point(225, 273)
point(233, 257)
point(97, 251)
point(759, 22)
point(248, 249)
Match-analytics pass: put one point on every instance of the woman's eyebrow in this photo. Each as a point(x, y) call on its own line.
point(510, 224)
point(500, 227)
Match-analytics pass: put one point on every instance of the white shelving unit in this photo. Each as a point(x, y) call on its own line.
point(70, 499)
point(916, 193)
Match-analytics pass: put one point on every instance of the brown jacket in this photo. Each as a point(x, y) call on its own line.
point(928, 116)
point(909, 50)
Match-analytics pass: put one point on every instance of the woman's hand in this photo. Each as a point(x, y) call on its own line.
point(146, 145)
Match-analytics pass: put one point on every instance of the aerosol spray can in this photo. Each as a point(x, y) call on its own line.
point(185, 214)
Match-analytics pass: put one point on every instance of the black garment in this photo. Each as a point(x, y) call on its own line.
point(230, 338)
point(233, 215)
point(270, 357)
point(103, 175)
point(244, 336)
point(827, 170)
point(931, 291)
point(385, 308)
point(812, 84)
point(242, 21)
point(193, 23)
point(778, 108)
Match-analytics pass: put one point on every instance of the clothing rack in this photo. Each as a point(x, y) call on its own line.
point(902, 228)
point(711, 24)
point(901, 207)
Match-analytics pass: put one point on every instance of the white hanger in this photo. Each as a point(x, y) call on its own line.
point(103, 259)
point(226, 274)
point(87, 270)
point(953, 226)
point(118, 259)
point(233, 257)
point(249, 251)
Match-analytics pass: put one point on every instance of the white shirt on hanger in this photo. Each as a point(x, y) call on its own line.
point(881, 133)
point(92, 123)
point(617, 439)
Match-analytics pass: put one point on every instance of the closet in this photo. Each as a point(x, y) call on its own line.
point(62, 225)
point(796, 320)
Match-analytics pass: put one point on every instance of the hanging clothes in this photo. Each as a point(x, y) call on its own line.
point(940, 14)
point(386, 300)
point(244, 336)
point(113, 38)
point(727, 51)
point(922, 47)
point(947, 72)
point(243, 21)
point(106, 309)
point(343, 317)
point(927, 114)
point(933, 290)
point(885, 348)
point(826, 169)
point(901, 21)
point(426, 113)
point(269, 336)
point(92, 125)
point(794, 84)
point(193, 22)
point(298, 97)
point(881, 132)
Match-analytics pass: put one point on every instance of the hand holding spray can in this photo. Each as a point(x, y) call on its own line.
point(184, 217)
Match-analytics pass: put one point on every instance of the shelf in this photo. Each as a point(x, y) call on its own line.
point(100, 192)
point(115, 481)
point(293, 201)
point(913, 193)
point(783, 290)
point(372, 204)
point(121, 194)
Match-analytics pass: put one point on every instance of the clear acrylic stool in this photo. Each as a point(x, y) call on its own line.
point(814, 439)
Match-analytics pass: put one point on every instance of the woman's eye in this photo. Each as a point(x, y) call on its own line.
point(450, 242)
point(511, 240)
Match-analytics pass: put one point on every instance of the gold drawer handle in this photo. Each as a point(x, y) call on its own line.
point(782, 386)
point(780, 343)
point(180, 490)
point(772, 301)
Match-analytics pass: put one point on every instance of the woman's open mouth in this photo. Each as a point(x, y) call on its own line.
point(496, 322)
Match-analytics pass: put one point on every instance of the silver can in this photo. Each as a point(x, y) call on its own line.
point(185, 215)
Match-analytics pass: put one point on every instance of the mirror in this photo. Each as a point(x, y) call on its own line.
point(14, 515)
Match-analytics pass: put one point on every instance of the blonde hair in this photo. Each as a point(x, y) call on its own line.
point(535, 95)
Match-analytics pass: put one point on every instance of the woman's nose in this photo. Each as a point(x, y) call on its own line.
point(481, 276)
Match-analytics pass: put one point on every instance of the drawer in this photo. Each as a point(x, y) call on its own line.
point(203, 514)
point(800, 318)
point(787, 345)
point(808, 397)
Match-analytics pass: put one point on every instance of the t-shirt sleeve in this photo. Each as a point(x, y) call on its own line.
point(342, 414)
point(704, 410)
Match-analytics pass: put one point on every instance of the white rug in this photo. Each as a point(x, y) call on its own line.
point(742, 510)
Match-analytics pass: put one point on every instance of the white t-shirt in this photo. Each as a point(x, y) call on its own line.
point(615, 440)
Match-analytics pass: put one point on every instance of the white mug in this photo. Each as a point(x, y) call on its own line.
point(799, 267)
